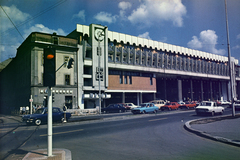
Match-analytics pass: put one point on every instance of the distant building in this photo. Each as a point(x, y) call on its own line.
point(132, 69)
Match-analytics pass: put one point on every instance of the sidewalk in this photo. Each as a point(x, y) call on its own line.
point(223, 129)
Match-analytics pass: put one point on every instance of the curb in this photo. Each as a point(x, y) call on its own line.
point(42, 154)
point(188, 127)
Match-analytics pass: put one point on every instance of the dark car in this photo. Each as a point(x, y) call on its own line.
point(125, 106)
point(114, 108)
point(41, 116)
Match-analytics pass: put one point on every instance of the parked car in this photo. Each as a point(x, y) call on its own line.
point(131, 105)
point(145, 108)
point(41, 116)
point(170, 106)
point(114, 108)
point(225, 103)
point(209, 107)
point(125, 106)
point(237, 105)
point(188, 105)
point(158, 103)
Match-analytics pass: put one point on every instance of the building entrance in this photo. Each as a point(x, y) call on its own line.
point(68, 102)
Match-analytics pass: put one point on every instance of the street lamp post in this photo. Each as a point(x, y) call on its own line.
point(100, 37)
point(232, 81)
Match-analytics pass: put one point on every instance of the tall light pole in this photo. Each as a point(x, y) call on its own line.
point(100, 35)
point(230, 65)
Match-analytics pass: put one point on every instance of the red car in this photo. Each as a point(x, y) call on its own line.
point(170, 106)
point(188, 105)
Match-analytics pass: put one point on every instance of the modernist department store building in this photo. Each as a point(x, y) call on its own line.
point(132, 69)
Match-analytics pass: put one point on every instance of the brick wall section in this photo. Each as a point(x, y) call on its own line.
point(138, 83)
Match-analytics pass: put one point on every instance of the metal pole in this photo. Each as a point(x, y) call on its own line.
point(31, 104)
point(99, 81)
point(49, 122)
point(229, 63)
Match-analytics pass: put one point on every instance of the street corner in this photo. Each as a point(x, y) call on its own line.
point(205, 134)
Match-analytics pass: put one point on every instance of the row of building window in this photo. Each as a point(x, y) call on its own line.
point(166, 60)
point(126, 79)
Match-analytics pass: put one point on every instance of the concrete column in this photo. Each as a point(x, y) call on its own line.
point(219, 90)
point(180, 90)
point(202, 98)
point(165, 89)
point(191, 85)
point(123, 97)
point(211, 91)
point(140, 98)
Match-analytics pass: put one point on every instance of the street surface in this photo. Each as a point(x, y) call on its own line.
point(149, 136)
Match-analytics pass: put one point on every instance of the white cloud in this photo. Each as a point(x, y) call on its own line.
point(42, 28)
point(81, 15)
point(238, 36)
point(150, 12)
point(124, 5)
point(105, 17)
point(144, 35)
point(9, 48)
point(195, 43)
point(236, 47)
point(9, 43)
point(207, 41)
point(16, 16)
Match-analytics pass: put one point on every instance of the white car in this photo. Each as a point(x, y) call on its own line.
point(158, 103)
point(131, 105)
point(209, 107)
point(224, 102)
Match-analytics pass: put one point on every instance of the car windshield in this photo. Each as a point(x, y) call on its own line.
point(205, 104)
point(39, 111)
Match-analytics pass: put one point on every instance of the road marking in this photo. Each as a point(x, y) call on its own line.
point(63, 132)
point(157, 119)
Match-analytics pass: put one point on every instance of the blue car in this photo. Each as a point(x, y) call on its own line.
point(41, 116)
point(145, 108)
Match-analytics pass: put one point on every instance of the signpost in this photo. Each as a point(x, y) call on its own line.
point(49, 122)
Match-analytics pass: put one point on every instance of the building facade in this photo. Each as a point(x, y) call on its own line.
point(122, 68)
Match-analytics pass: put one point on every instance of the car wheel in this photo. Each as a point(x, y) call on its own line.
point(38, 122)
point(143, 112)
point(155, 111)
point(169, 109)
point(120, 111)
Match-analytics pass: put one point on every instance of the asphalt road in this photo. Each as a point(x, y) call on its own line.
point(150, 136)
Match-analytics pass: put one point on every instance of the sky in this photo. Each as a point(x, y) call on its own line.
point(195, 24)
